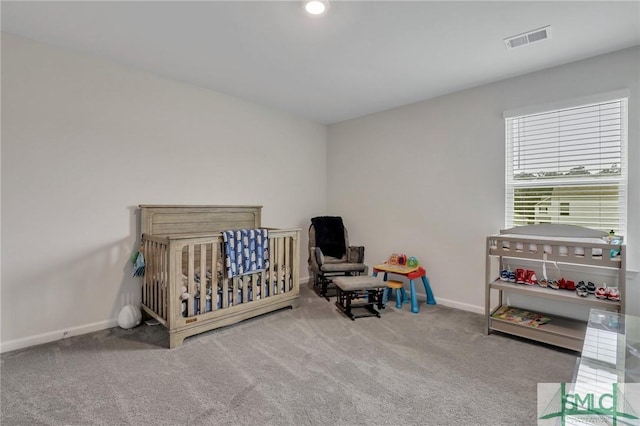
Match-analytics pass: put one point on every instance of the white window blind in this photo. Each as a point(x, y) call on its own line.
point(568, 166)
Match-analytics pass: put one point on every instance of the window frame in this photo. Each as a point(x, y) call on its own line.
point(512, 184)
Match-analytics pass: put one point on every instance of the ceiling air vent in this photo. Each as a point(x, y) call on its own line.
point(528, 37)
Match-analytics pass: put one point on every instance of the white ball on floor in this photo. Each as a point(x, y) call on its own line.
point(129, 317)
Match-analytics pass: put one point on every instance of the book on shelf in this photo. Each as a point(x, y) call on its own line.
point(520, 316)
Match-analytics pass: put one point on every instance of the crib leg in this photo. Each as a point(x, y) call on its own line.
point(175, 340)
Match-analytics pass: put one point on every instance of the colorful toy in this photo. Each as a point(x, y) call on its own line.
point(402, 259)
point(397, 259)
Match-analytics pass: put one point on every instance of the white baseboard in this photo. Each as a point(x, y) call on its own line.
point(304, 280)
point(52, 336)
point(454, 304)
point(459, 305)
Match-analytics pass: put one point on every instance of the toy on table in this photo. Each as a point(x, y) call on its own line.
point(397, 259)
point(402, 259)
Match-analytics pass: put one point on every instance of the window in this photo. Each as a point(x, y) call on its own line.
point(568, 165)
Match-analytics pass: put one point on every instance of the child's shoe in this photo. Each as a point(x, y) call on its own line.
point(581, 289)
point(530, 278)
point(602, 292)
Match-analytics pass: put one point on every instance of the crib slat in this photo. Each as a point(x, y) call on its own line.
point(152, 285)
point(245, 286)
point(145, 279)
point(258, 295)
point(234, 296)
point(272, 255)
point(214, 276)
point(157, 268)
point(151, 277)
point(225, 290)
point(287, 264)
point(295, 263)
point(150, 273)
point(161, 280)
point(175, 300)
point(155, 283)
point(203, 277)
point(191, 283)
point(281, 266)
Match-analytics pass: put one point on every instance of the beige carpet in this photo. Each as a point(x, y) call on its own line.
point(308, 366)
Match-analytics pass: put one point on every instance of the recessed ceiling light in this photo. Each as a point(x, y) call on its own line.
point(316, 7)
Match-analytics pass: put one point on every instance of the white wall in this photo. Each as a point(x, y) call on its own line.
point(427, 179)
point(84, 142)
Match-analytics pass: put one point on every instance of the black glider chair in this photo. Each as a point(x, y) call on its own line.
point(330, 254)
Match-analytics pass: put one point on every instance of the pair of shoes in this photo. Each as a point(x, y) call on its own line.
point(614, 294)
point(581, 289)
point(526, 276)
point(602, 292)
point(591, 287)
point(530, 278)
point(566, 284)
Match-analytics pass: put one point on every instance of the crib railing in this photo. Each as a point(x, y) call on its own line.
point(155, 281)
point(185, 280)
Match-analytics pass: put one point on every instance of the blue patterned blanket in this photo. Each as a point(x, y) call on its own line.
point(246, 251)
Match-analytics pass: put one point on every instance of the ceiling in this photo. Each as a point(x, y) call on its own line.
point(361, 57)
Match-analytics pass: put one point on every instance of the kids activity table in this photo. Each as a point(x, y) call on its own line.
point(411, 273)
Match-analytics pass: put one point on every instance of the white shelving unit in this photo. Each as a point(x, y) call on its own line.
point(549, 244)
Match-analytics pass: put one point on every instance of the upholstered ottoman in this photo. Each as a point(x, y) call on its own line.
point(362, 293)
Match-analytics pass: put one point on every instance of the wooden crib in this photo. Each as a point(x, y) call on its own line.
point(185, 286)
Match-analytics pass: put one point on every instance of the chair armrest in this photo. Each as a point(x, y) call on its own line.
point(318, 257)
point(355, 254)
